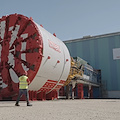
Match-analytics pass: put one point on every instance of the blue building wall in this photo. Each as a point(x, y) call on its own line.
point(98, 51)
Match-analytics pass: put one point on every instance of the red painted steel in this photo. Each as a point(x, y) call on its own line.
point(21, 49)
point(80, 91)
point(17, 29)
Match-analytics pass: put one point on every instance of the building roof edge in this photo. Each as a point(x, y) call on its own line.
point(91, 37)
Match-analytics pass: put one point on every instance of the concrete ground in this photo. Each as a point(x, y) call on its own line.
point(86, 109)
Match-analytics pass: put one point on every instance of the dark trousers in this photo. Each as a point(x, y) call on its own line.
point(23, 92)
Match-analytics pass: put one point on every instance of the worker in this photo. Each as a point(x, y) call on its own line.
point(23, 88)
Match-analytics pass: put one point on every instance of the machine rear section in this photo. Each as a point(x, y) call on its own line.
point(83, 81)
point(26, 46)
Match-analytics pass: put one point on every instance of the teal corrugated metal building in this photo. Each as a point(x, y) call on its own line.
point(98, 52)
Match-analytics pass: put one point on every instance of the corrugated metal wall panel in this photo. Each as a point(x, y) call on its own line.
point(99, 53)
point(117, 45)
point(113, 64)
point(103, 61)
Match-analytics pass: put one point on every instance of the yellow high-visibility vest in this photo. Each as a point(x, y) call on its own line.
point(23, 84)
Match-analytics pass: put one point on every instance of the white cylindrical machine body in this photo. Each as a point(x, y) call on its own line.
point(55, 65)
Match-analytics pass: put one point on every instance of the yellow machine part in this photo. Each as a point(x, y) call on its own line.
point(74, 71)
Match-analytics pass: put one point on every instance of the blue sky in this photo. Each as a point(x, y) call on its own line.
point(69, 19)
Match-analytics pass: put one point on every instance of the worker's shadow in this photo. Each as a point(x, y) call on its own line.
point(11, 106)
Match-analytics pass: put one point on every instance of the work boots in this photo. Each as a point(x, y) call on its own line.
point(28, 104)
point(17, 104)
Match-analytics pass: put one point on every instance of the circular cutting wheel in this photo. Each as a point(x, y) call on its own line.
point(21, 49)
